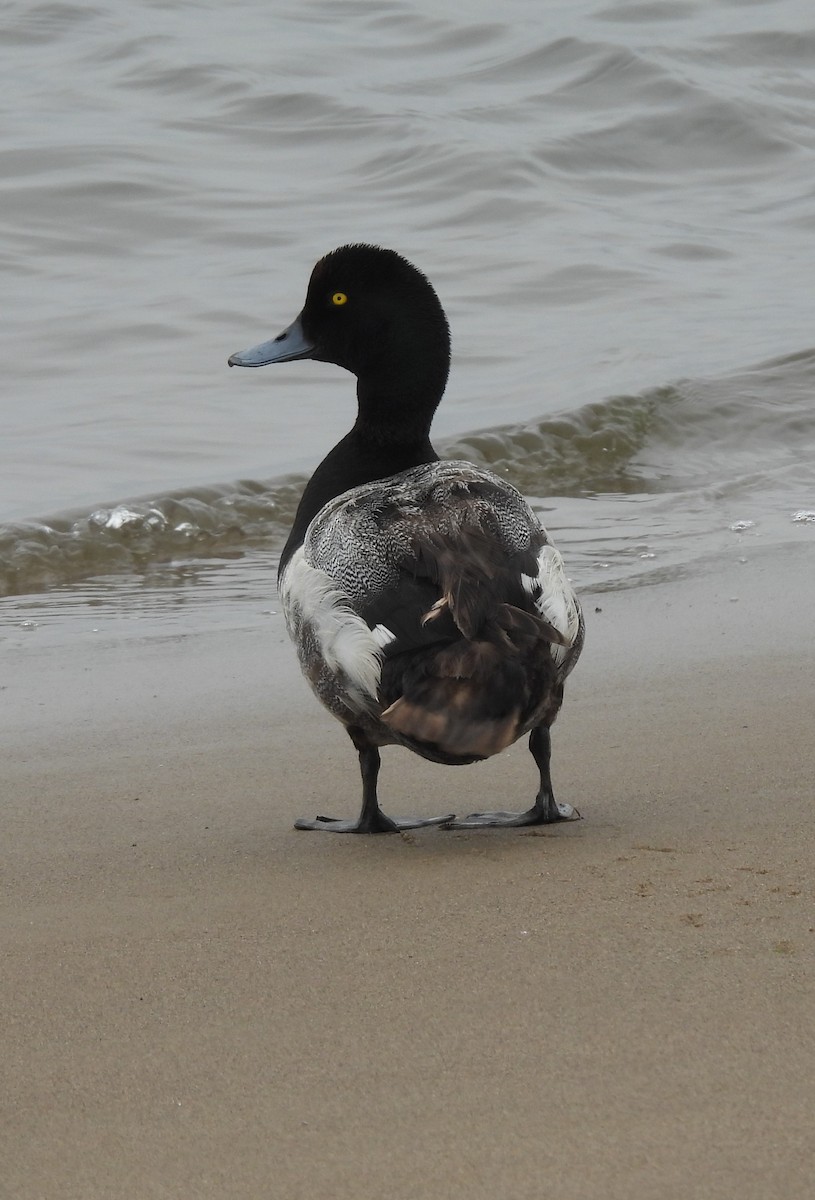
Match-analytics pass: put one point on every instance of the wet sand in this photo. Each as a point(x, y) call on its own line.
point(199, 1001)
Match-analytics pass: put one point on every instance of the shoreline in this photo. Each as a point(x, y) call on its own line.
point(201, 1001)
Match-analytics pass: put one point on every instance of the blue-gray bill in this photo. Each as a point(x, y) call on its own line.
point(288, 346)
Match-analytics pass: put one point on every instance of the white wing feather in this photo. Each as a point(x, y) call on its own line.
point(312, 599)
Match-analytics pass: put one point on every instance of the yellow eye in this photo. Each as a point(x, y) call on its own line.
point(339, 298)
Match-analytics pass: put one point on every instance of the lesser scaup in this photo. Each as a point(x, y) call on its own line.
point(427, 603)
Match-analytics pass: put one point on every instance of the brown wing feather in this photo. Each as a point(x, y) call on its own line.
point(471, 696)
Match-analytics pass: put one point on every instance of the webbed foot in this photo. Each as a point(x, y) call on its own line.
point(375, 823)
point(539, 814)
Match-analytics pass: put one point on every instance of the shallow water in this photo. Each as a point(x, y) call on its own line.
point(614, 201)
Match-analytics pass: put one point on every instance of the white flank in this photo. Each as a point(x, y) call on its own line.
point(556, 603)
point(346, 645)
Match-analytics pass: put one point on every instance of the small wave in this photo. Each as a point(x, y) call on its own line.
point(588, 450)
point(37, 556)
point(725, 435)
point(575, 453)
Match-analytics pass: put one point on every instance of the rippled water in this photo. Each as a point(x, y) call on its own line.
point(615, 202)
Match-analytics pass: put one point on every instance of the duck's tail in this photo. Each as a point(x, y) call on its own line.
point(470, 695)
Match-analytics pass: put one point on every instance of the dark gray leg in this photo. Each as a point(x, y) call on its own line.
point(544, 811)
point(540, 744)
point(371, 818)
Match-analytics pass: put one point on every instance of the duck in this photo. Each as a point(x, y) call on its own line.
point(429, 607)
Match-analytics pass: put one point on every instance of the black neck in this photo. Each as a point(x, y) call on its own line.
point(363, 455)
point(398, 391)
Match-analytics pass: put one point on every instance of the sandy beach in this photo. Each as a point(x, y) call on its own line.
point(199, 1001)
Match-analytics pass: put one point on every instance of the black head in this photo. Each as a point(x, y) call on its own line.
point(369, 310)
point(366, 307)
